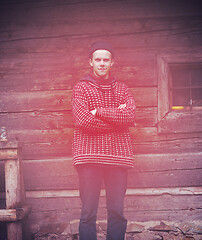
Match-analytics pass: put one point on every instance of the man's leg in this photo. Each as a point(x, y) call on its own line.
point(90, 182)
point(116, 184)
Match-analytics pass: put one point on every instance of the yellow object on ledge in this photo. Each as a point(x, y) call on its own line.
point(177, 107)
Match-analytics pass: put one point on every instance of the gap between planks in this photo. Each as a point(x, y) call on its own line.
point(129, 192)
point(174, 155)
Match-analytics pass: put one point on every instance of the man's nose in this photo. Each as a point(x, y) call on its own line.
point(102, 63)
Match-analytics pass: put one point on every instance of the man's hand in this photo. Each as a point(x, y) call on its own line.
point(94, 111)
point(122, 106)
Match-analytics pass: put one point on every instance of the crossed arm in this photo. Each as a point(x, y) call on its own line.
point(102, 119)
point(120, 107)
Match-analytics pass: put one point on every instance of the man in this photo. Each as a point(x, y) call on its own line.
point(103, 110)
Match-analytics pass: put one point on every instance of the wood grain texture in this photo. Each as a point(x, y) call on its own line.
point(6, 154)
point(154, 170)
point(179, 122)
point(16, 102)
point(13, 215)
point(44, 52)
point(142, 208)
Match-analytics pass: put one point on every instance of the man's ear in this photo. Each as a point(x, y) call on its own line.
point(90, 62)
point(112, 62)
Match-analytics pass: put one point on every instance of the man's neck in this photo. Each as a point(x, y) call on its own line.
point(102, 80)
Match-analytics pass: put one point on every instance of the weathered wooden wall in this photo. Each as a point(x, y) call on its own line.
point(44, 52)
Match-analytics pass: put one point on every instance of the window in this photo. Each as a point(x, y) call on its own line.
point(185, 86)
point(180, 92)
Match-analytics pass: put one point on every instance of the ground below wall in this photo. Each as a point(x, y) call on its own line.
point(153, 230)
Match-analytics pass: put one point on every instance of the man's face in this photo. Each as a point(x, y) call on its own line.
point(101, 62)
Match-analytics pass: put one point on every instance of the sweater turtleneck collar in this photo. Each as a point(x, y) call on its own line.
point(103, 81)
point(99, 81)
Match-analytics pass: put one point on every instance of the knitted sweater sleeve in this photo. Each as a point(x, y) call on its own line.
point(84, 119)
point(119, 117)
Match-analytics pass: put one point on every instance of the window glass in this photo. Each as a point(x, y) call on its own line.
point(180, 77)
point(186, 86)
point(197, 97)
point(196, 74)
point(181, 97)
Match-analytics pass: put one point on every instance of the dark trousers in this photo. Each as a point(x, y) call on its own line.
point(90, 183)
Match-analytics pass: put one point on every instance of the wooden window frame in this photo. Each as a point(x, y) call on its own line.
point(172, 121)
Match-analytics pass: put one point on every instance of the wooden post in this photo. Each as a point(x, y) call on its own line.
point(14, 231)
point(10, 153)
point(13, 198)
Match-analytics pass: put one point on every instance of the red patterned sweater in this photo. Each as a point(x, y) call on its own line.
point(103, 138)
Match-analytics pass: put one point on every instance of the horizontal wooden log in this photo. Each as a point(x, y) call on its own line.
point(41, 136)
point(41, 120)
point(131, 193)
point(8, 154)
point(176, 215)
point(39, 144)
point(37, 120)
point(187, 145)
point(8, 215)
point(13, 215)
point(42, 220)
point(36, 63)
point(146, 117)
point(181, 122)
point(139, 135)
point(145, 97)
point(143, 42)
point(136, 202)
point(39, 81)
point(48, 71)
point(146, 140)
point(147, 208)
point(158, 170)
point(10, 144)
point(166, 178)
point(78, 28)
point(36, 100)
point(68, 13)
point(170, 178)
point(164, 162)
point(134, 9)
point(140, 35)
point(47, 149)
point(60, 100)
point(39, 78)
point(149, 134)
point(176, 191)
point(49, 142)
point(143, 162)
point(62, 175)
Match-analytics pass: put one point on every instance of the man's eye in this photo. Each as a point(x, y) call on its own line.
point(97, 60)
point(106, 60)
